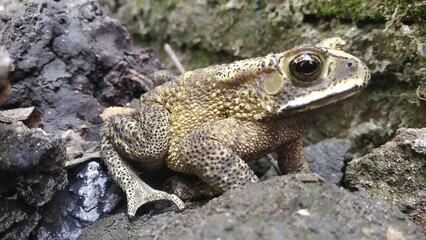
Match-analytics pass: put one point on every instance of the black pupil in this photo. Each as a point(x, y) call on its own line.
point(306, 66)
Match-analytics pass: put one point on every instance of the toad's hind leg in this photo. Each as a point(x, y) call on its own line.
point(143, 139)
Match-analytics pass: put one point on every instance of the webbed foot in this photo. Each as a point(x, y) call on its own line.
point(139, 193)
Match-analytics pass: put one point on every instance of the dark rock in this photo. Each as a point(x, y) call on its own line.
point(395, 172)
point(31, 171)
point(70, 61)
point(327, 158)
point(302, 206)
point(9, 8)
point(73, 53)
point(17, 220)
point(91, 194)
point(34, 160)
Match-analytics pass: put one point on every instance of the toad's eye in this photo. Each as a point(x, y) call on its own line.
point(306, 67)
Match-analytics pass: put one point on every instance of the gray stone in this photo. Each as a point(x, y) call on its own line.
point(327, 158)
point(17, 221)
point(395, 172)
point(302, 206)
point(31, 172)
point(34, 160)
point(90, 188)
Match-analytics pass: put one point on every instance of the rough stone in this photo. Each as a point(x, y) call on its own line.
point(73, 53)
point(35, 160)
point(17, 220)
point(302, 206)
point(327, 158)
point(91, 194)
point(71, 60)
point(395, 172)
point(31, 172)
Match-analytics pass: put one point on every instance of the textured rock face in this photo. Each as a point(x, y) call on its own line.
point(247, 29)
point(31, 171)
point(90, 194)
point(395, 172)
point(36, 161)
point(71, 60)
point(290, 207)
point(327, 158)
point(73, 53)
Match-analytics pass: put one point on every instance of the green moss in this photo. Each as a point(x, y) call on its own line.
point(201, 59)
point(156, 6)
point(350, 179)
point(275, 201)
point(326, 212)
point(376, 191)
point(281, 201)
point(397, 106)
point(253, 218)
point(331, 122)
point(348, 9)
point(359, 10)
point(140, 4)
point(104, 222)
point(418, 11)
point(313, 192)
point(355, 172)
point(309, 233)
point(420, 176)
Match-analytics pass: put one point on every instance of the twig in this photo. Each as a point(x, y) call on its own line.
point(174, 58)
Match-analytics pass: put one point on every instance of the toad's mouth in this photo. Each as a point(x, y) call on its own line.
point(317, 103)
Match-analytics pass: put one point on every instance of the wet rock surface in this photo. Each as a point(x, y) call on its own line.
point(292, 207)
point(35, 160)
point(395, 172)
point(18, 221)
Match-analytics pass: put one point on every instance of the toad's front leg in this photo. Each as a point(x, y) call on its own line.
point(210, 152)
point(291, 158)
point(144, 139)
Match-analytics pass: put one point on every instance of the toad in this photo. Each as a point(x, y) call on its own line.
point(209, 122)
